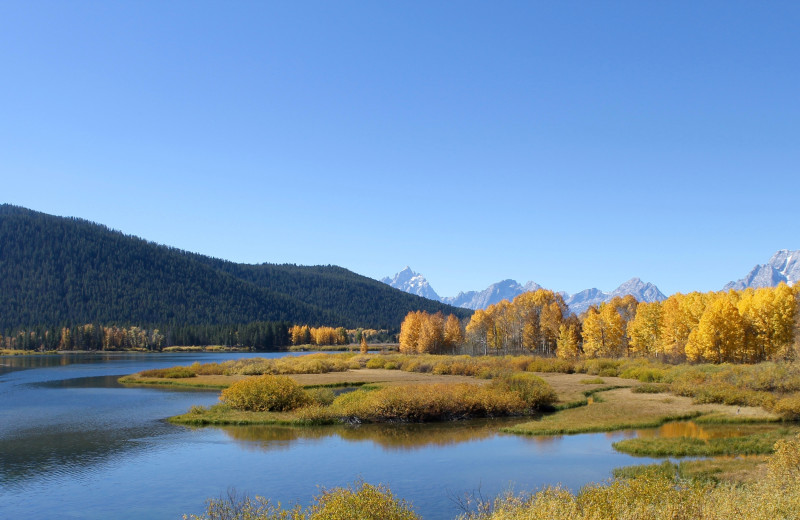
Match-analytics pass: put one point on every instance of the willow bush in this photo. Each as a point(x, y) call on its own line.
point(265, 394)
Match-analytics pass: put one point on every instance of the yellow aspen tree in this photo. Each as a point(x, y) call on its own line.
point(478, 329)
point(644, 330)
point(505, 325)
point(783, 321)
point(603, 332)
point(431, 335)
point(719, 336)
point(453, 335)
point(593, 335)
point(568, 342)
point(364, 346)
point(527, 311)
point(551, 318)
point(409, 332)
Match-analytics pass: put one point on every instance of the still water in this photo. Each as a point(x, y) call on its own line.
point(76, 444)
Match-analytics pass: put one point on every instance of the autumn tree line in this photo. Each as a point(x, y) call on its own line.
point(256, 335)
point(323, 336)
point(746, 326)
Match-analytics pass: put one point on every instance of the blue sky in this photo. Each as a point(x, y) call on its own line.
point(576, 144)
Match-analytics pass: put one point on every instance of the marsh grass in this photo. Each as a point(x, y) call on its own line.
point(359, 501)
point(719, 469)
point(619, 409)
point(752, 444)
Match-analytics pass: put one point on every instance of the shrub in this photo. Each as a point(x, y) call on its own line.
point(207, 369)
point(649, 388)
point(376, 362)
point(265, 393)
point(788, 407)
point(427, 402)
point(171, 373)
point(321, 396)
point(362, 502)
point(534, 390)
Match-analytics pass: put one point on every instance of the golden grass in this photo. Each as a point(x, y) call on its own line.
point(622, 409)
point(347, 378)
point(571, 388)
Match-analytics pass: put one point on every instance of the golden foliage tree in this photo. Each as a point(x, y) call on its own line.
point(453, 333)
point(568, 344)
point(644, 330)
point(410, 331)
point(603, 332)
point(719, 336)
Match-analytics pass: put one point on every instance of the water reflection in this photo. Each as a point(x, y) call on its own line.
point(692, 430)
point(395, 437)
point(56, 452)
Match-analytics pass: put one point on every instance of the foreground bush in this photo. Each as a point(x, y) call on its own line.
point(360, 502)
point(534, 390)
point(265, 394)
point(427, 402)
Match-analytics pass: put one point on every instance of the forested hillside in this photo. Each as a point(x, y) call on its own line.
point(56, 270)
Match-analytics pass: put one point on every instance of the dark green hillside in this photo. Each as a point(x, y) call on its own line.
point(56, 270)
point(341, 291)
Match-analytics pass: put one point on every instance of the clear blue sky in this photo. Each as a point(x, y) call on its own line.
point(576, 144)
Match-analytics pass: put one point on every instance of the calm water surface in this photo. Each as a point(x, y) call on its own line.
point(75, 444)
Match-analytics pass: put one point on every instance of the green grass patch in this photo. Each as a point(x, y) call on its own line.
point(755, 444)
point(650, 388)
point(618, 410)
point(593, 381)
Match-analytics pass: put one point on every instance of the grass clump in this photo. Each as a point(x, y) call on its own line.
point(169, 373)
point(426, 402)
point(593, 381)
point(360, 501)
point(265, 394)
point(650, 388)
point(754, 444)
point(536, 393)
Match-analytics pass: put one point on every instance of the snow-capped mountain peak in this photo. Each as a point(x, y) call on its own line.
point(784, 266)
point(411, 282)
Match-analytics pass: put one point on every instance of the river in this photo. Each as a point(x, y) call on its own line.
point(76, 444)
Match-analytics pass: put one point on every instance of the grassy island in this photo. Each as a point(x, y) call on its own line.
point(557, 395)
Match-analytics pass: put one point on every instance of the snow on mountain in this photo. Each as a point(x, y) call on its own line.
point(414, 283)
point(642, 291)
point(503, 290)
point(581, 301)
point(411, 282)
point(784, 266)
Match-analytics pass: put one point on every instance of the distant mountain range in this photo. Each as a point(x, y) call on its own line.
point(409, 281)
point(57, 271)
point(784, 266)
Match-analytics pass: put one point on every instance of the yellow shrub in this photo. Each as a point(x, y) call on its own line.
point(265, 393)
point(364, 502)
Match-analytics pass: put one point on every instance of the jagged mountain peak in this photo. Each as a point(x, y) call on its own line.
point(783, 266)
point(412, 282)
